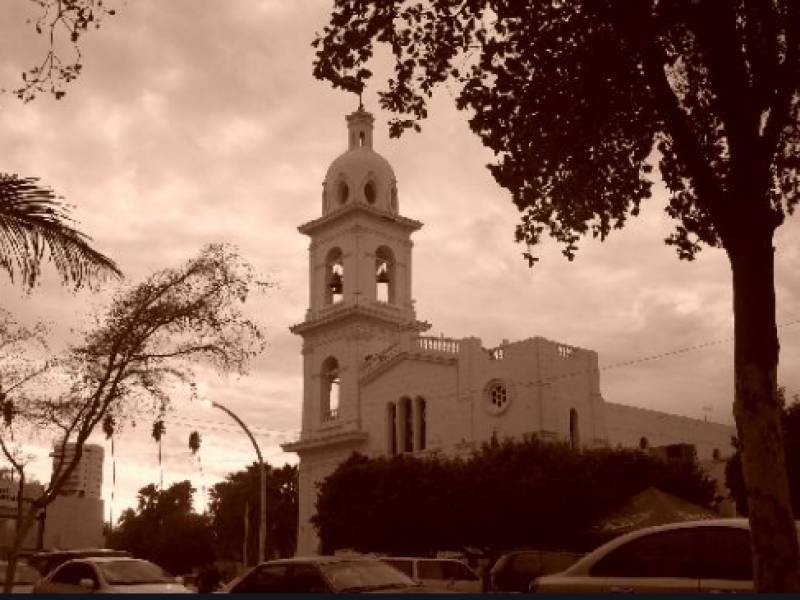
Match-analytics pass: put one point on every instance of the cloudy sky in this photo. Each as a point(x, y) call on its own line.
point(199, 121)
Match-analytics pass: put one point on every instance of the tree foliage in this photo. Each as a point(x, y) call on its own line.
point(165, 529)
point(34, 223)
point(238, 497)
point(149, 341)
point(505, 496)
point(578, 100)
point(63, 23)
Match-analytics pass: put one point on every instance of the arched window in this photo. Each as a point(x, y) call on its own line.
point(420, 423)
point(370, 191)
point(406, 429)
point(384, 275)
point(334, 277)
point(329, 382)
point(574, 432)
point(391, 429)
point(342, 192)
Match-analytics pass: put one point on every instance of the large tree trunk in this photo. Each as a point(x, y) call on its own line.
point(757, 411)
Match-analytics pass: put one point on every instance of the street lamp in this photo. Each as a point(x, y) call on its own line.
point(262, 528)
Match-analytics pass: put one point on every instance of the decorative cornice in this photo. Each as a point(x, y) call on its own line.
point(350, 312)
point(322, 441)
point(378, 215)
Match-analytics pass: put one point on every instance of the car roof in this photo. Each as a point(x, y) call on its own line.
point(105, 559)
point(421, 558)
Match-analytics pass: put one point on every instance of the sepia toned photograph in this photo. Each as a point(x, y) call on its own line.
point(399, 296)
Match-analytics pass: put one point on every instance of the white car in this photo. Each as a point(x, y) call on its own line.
point(709, 556)
point(109, 576)
point(443, 573)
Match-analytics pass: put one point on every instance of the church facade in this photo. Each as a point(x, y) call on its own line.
point(374, 383)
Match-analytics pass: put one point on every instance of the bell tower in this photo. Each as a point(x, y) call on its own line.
point(360, 300)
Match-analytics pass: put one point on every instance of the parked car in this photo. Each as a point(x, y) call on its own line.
point(25, 576)
point(109, 575)
point(514, 571)
point(46, 562)
point(694, 557)
point(326, 574)
point(445, 573)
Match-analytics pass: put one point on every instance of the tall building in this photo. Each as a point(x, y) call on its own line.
point(75, 518)
point(374, 383)
point(86, 481)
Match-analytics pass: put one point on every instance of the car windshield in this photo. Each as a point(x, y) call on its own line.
point(24, 574)
point(133, 572)
point(361, 575)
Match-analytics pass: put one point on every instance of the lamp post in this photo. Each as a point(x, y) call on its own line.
point(262, 526)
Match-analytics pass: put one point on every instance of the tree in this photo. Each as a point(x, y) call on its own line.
point(159, 429)
point(505, 496)
point(109, 425)
point(194, 446)
point(578, 100)
point(150, 339)
point(33, 220)
point(237, 498)
point(166, 530)
point(790, 422)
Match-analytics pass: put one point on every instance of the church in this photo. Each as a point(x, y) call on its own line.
point(374, 383)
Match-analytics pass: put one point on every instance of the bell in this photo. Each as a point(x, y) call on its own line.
point(336, 283)
point(383, 277)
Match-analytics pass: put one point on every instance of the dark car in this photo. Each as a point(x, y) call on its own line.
point(326, 574)
point(514, 571)
point(47, 562)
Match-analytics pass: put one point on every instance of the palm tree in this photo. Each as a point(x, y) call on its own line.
point(108, 429)
point(194, 446)
point(159, 429)
point(33, 220)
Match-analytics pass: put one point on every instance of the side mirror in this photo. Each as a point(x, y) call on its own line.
point(86, 583)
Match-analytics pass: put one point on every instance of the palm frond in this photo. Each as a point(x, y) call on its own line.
point(34, 221)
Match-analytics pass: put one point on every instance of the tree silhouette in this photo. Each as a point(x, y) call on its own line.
point(159, 429)
point(578, 100)
point(33, 223)
point(194, 446)
point(108, 429)
point(151, 337)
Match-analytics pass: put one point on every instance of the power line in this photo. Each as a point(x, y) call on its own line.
point(647, 358)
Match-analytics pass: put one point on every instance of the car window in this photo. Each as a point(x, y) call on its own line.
point(306, 579)
point(133, 572)
point(662, 554)
point(430, 569)
point(358, 575)
point(267, 579)
point(71, 574)
point(726, 553)
point(454, 569)
point(406, 566)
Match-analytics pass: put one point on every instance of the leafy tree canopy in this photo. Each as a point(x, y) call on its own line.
point(165, 529)
point(239, 495)
point(505, 496)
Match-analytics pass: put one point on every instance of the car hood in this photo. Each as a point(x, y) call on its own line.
point(416, 589)
point(152, 588)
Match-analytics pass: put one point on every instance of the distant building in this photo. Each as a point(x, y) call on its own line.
point(86, 481)
point(9, 493)
point(374, 383)
point(75, 517)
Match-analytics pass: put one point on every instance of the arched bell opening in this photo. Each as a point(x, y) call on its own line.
point(385, 276)
point(334, 277)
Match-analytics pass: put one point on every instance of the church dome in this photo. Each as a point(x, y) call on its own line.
point(360, 175)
